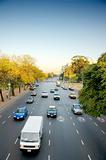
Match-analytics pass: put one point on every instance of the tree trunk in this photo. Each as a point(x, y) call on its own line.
point(12, 90)
point(19, 89)
point(2, 98)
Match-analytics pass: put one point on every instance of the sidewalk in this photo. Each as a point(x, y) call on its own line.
point(12, 99)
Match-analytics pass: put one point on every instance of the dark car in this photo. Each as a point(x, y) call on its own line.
point(77, 109)
point(52, 112)
point(71, 89)
point(30, 100)
point(64, 87)
point(56, 89)
point(20, 113)
point(52, 91)
point(31, 88)
point(37, 84)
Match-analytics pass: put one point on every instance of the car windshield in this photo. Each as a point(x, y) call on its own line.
point(77, 106)
point(56, 94)
point(29, 137)
point(52, 109)
point(20, 110)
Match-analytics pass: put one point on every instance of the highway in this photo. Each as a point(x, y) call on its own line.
point(68, 137)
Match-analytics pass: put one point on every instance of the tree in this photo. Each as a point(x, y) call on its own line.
point(78, 63)
point(93, 94)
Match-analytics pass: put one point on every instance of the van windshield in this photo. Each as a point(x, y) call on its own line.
point(30, 137)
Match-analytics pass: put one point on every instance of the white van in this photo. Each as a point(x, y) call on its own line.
point(31, 134)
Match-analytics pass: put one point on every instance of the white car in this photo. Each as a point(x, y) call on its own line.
point(44, 94)
point(56, 96)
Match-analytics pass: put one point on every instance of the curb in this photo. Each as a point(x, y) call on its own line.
point(12, 100)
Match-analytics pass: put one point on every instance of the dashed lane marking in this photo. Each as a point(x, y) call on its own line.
point(49, 142)
point(89, 157)
point(9, 116)
point(95, 124)
point(3, 122)
point(73, 124)
point(48, 157)
point(49, 131)
point(70, 117)
point(49, 123)
point(77, 131)
point(90, 118)
point(102, 131)
point(16, 140)
point(8, 156)
point(82, 142)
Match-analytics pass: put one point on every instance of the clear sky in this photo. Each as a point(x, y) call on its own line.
point(53, 31)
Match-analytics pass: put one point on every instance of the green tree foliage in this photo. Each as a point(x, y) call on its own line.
point(93, 94)
point(75, 68)
point(78, 63)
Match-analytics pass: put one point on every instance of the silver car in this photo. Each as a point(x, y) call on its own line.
point(76, 108)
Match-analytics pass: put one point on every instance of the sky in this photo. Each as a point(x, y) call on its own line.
point(53, 31)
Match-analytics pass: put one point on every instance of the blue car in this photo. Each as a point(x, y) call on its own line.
point(20, 113)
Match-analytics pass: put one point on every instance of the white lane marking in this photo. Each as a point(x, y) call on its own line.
point(89, 157)
point(73, 124)
point(90, 118)
point(3, 122)
point(49, 142)
point(9, 116)
point(49, 131)
point(8, 156)
point(82, 142)
point(77, 131)
point(68, 112)
point(102, 131)
point(70, 117)
point(95, 124)
point(49, 123)
point(48, 157)
point(16, 140)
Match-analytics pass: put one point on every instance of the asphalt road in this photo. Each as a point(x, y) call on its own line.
point(68, 137)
